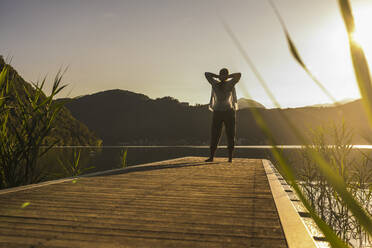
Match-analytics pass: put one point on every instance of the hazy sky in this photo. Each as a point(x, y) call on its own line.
point(163, 47)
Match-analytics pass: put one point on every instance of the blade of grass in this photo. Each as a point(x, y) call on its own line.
point(124, 158)
point(3, 74)
point(248, 60)
point(328, 232)
point(289, 175)
point(364, 81)
point(334, 179)
point(297, 56)
point(337, 181)
point(360, 64)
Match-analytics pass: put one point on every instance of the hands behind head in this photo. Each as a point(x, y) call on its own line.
point(229, 77)
point(224, 76)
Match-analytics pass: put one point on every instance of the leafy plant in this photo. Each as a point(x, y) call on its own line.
point(73, 167)
point(336, 181)
point(345, 162)
point(364, 81)
point(123, 158)
point(27, 117)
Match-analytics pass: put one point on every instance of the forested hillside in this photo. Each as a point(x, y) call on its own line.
point(124, 117)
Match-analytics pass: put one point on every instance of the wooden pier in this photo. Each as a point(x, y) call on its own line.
point(176, 203)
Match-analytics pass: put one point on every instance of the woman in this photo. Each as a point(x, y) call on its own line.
point(223, 104)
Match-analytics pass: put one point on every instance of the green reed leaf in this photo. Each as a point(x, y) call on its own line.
point(289, 175)
point(360, 64)
point(124, 158)
point(297, 57)
point(328, 232)
point(362, 73)
point(3, 74)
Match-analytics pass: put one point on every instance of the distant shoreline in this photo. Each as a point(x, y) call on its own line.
point(207, 147)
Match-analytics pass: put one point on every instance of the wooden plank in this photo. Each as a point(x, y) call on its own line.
point(296, 232)
point(176, 203)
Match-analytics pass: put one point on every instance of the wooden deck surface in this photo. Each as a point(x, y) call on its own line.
point(176, 203)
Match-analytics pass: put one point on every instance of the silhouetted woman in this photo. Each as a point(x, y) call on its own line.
point(223, 104)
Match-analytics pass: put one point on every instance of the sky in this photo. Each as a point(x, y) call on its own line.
point(163, 47)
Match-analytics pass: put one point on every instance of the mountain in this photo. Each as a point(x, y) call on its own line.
point(326, 105)
point(244, 103)
point(128, 118)
point(124, 117)
point(67, 130)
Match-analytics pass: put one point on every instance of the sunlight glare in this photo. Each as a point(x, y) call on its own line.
point(363, 21)
point(358, 38)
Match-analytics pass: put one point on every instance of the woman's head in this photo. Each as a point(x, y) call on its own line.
point(224, 73)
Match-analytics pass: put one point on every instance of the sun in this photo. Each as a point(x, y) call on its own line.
point(362, 12)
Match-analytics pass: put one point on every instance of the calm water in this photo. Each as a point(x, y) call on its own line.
point(109, 157)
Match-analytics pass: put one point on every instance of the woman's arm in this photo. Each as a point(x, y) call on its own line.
point(234, 78)
point(211, 77)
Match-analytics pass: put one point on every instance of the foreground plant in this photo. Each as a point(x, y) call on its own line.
point(336, 181)
point(332, 142)
point(73, 167)
point(27, 117)
point(123, 158)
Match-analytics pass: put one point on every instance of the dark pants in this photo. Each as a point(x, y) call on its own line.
point(228, 119)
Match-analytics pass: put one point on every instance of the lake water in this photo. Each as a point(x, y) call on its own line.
point(109, 157)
